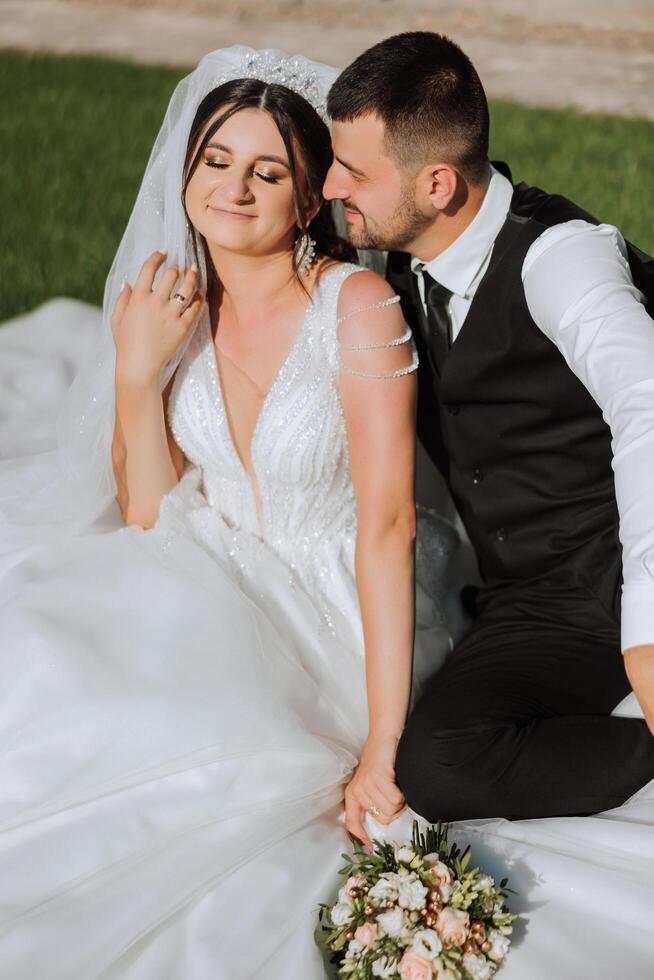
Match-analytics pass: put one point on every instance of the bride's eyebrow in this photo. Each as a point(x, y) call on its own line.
point(267, 157)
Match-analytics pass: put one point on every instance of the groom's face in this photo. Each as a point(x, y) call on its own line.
point(379, 200)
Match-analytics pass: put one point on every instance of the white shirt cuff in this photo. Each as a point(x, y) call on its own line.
point(637, 614)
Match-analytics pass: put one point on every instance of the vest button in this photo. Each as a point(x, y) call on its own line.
point(453, 409)
point(477, 476)
point(501, 534)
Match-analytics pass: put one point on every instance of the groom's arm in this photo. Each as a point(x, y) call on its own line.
point(581, 294)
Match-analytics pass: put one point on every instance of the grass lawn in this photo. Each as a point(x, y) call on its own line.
point(76, 134)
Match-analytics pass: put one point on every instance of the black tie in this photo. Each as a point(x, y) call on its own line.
point(438, 320)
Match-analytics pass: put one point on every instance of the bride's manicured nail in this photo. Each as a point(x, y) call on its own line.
point(194, 267)
point(123, 283)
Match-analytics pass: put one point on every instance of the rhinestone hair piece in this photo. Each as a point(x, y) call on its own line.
point(291, 72)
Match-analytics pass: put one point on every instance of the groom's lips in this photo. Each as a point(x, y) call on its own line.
point(349, 212)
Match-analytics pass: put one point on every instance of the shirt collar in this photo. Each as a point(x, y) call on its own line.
point(457, 267)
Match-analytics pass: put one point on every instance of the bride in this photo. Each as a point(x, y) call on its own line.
point(208, 639)
point(208, 628)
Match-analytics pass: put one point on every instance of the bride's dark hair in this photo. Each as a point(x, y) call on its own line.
point(304, 134)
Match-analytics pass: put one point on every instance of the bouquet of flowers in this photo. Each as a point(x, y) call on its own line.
point(415, 911)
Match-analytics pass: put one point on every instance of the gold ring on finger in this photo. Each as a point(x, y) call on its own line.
point(374, 810)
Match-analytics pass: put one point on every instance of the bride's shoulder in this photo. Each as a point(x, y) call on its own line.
point(365, 289)
point(358, 287)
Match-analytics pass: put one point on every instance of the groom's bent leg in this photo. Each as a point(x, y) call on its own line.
point(517, 722)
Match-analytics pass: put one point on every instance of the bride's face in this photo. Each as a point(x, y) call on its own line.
point(240, 197)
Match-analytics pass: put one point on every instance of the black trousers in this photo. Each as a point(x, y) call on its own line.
point(517, 722)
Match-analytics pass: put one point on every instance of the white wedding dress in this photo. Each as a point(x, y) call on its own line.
point(183, 707)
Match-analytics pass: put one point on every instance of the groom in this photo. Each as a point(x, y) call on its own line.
point(536, 402)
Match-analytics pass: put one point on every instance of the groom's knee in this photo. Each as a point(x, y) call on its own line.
point(445, 775)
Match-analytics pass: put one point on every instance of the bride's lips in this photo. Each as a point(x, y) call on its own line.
point(232, 214)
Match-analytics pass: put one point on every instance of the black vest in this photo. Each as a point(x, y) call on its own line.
point(520, 440)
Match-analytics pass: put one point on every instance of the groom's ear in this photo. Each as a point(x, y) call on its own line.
point(436, 184)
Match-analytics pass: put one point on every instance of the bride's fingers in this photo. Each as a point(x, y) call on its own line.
point(385, 795)
point(145, 277)
point(187, 286)
point(354, 821)
point(382, 812)
point(165, 286)
point(190, 313)
point(121, 306)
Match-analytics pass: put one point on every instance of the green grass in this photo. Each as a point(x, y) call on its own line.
point(76, 134)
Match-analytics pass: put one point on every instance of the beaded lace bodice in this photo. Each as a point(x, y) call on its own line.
point(299, 450)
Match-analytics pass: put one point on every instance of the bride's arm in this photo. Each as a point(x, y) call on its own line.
point(148, 327)
point(144, 455)
point(379, 406)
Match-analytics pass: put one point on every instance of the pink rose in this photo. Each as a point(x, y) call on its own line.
point(367, 934)
point(412, 966)
point(452, 926)
point(354, 881)
point(440, 872)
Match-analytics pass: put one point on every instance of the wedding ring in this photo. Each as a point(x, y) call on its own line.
point(180, 299)
point(374, 810)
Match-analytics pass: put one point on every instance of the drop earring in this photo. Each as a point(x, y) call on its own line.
point(305, 253)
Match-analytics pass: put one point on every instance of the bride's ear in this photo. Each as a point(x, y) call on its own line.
point(314, 205)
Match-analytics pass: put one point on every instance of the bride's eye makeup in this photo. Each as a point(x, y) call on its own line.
point(218, 164)
point(269, 178)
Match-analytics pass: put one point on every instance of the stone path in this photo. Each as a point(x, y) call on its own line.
point(593, 54)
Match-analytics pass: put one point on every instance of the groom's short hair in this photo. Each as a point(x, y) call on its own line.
point(429, 97)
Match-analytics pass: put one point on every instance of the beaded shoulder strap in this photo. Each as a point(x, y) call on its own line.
point(406, 337)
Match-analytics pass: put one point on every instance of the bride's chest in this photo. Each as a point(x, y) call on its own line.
point(299, 431)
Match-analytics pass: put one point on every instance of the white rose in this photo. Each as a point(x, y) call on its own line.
point(426, 943)
point(446, 891)
point(485, 883)
point(341, 914)
point(404, 853)
point(478, 966)
point(500, 943)
point(384, 967)
point(343, 896)
point(392, 922)
point(382, 890)
point(411, 893)
point(354, 948)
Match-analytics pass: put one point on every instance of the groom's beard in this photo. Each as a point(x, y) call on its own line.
point(397, 232)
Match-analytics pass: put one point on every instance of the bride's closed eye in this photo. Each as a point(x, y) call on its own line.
point(269, 179)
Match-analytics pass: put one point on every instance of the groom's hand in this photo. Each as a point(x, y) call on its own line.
point(639, 664)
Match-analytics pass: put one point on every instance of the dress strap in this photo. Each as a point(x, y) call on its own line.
point(389, 361)
point(364, 309)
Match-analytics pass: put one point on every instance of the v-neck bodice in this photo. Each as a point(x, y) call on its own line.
point(299, 446)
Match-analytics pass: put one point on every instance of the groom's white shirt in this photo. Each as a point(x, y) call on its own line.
point(580, 293)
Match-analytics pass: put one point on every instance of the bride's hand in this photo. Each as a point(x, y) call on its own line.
point(148, 325)
point(373, 786)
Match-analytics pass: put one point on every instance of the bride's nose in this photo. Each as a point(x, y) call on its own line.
point(236, 188)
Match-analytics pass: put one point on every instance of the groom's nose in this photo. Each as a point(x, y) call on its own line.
point(333, 188)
